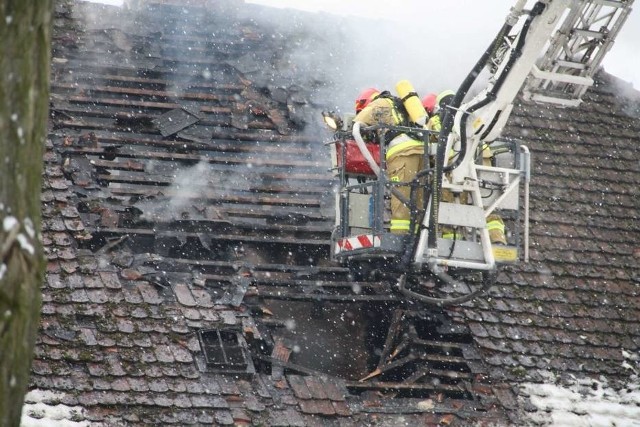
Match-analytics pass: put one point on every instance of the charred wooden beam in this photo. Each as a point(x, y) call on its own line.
point(240, 236)
point(253, 161)
point(218, 199)
point(118, 76)
point(257, 145)
point(402, 386)
point(153, 105)
point(213, 191)
point(127, 165)
point(316, 297)
point(263, 267)
point(154, 94)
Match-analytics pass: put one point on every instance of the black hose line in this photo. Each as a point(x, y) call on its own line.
point(447, 126)
point(537, 9)
point(449, 116)
point(444, 302)
point(492, 94)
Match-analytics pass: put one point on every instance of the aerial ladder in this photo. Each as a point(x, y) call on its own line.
point(549, 50)
point(576, 50)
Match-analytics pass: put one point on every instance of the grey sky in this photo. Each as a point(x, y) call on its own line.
point(455, 33)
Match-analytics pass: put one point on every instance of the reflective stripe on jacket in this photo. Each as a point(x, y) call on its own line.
point(495, 224)
point(399, 225)
point(400, 143)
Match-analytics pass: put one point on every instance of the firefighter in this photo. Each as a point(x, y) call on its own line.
point(404, 153)
point(437, 105)
point(429, 103)
point(495, 224)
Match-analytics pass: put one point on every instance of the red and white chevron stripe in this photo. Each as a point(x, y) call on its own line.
point(357, 242)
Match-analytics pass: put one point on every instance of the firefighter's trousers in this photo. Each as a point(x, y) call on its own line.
point(402, 167)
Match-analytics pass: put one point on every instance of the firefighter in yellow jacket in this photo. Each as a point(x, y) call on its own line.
point(404, 154)
point(495, 224)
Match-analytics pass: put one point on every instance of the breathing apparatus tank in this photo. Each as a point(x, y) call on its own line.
point(412, 102)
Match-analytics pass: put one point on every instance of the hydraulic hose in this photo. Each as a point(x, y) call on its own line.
point(407, 256)
point(443, 302)
point(537, 9)
point(492, 94)
point(449, 117)
point(447, 126)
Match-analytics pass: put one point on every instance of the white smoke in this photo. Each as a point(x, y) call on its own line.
point(187, 184)
point(432, 43)
point(376, 44)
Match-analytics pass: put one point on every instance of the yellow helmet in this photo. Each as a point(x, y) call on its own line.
point(444, 98)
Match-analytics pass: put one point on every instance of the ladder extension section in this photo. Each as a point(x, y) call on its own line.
point(575, 52)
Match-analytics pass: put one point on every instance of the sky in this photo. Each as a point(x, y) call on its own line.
point(470, 25)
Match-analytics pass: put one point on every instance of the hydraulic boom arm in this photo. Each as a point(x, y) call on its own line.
point(556, 48)
point(552, 48)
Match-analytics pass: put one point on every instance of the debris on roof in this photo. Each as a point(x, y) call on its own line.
point(176, 120)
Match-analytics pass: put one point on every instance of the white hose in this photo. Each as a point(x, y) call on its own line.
point(363, 149)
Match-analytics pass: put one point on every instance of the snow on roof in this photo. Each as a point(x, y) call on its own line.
point(36, 412)
point(584, 402)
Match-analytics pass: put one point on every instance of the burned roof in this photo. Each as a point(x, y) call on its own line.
point(188, 206)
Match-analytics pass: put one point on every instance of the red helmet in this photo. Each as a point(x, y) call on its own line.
point(429, 102)
point(365, 97)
